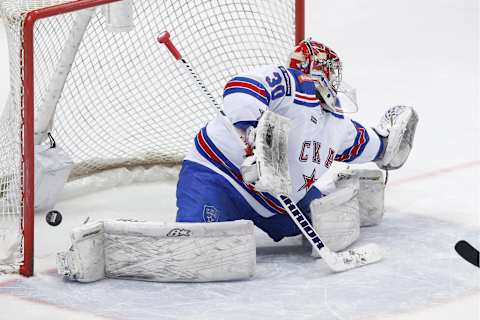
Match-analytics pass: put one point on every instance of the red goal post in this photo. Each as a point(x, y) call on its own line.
point(260, 20)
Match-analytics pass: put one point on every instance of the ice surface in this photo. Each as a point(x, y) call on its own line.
point(420, 53)
point(420, 269)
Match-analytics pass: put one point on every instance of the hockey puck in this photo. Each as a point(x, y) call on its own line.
point(54, 218)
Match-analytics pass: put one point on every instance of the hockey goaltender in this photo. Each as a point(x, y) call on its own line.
point(257, 164)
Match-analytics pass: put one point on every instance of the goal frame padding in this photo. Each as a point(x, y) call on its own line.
point(27, 140)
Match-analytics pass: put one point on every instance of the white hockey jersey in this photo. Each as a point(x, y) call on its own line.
point(317, 137)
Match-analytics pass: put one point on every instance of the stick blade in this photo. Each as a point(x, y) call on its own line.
point(354, 258)
point(467, 252)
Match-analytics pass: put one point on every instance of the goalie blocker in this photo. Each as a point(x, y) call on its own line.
point(164, 252)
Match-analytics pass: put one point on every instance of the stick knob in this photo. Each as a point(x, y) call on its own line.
point(165, 39)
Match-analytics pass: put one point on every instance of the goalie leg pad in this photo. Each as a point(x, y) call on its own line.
point(336, 218)
point(85, 261)
point(371, 193)
point(172, 252)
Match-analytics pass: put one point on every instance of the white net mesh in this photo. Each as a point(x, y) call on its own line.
point(125, 101)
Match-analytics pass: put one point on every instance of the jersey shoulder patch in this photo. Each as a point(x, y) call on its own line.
point(304, 89)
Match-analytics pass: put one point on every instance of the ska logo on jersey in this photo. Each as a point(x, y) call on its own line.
point(308, 181)
point(210, 214)
point(310, 151)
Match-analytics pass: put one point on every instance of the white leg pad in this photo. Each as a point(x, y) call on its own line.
point(336, 218)
point(85, 261)
point(371, 193)
point(171, 252)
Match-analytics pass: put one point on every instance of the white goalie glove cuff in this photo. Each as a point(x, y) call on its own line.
point(397, 126)
point(250, 136)
point(249, 169)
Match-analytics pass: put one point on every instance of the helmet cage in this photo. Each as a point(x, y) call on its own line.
point(326, 91)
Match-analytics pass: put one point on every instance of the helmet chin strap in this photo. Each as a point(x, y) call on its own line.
point(329, 99)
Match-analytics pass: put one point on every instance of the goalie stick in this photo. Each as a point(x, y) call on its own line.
point(468, 252)
point(341, 261)
point(164, 38)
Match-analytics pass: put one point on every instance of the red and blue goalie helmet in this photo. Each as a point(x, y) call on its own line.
point(324, 67)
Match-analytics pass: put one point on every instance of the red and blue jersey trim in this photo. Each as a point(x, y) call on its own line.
point(307, 100)
point(209, 151)
point(336, 115)
point(247, 86)
point(304, 89)
point(359, 144)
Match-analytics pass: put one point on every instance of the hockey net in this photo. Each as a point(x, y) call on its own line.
point(124, 102)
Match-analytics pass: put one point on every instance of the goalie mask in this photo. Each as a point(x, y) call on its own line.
point(324, 67)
